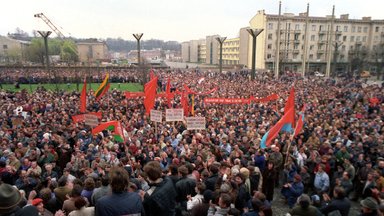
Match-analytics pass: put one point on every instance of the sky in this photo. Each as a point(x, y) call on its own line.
point(168, 20)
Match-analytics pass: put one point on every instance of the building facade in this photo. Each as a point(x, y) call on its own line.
point(347, 38)
point(11, 50)
point(92, 51)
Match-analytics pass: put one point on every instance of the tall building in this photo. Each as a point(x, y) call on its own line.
point(350, 36)
point(345, 41)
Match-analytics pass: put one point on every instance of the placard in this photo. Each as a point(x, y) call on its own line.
point(174, 115)
point(195, 123)
point(156, 116)
point(91, 120)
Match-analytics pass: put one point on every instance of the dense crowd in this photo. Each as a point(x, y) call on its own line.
point(50, 165)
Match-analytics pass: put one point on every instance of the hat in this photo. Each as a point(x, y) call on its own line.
point(10, 197)
point(36, 202)
point(369, 203)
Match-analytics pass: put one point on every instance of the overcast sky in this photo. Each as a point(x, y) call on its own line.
point(179, 20)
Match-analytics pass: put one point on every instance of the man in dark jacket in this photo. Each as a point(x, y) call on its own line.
point(184, 187)
point(210, 182)
point(339, 203)
point(160, 199)
point(120, 202)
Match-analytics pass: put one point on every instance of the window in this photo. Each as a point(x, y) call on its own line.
point(312, 37)
point(320, 47)
point(376, 38)
point(338, 28)
point(358, 39)
point(359, 29)
point(377, 29)
point(353, 28)
point(5, 46)
point(269, 56)
point(321, 37)
point(297, 27)
point(344, 38)
point(352, 38)
point(313, 27)
point(311, 47)
point(338, 37)
point(365, 29)
point(295, 55)
point(269, 36)
point(269, 46)
point(295, 46)
point(345, 28)
point(321, 28)
point(342, 57)
point(311, 56)
point(296, 36)
point(351, 47)
point(270, 25)
point(343, 48)
point(364, 38)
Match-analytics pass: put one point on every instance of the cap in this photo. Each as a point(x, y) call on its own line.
point(369, 203)
point(36, 201)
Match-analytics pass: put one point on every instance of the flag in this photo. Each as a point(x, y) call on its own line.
point(193, 105)
point(113, 126)
point(168, 93)
point(184, 103)
point(151, 74)
point(274, 131)
point(101, 90)
point(290, 104)
point(300, 122)
point(83, 98)
point(150, 94)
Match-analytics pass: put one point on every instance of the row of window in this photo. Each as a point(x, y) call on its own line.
point(310, 57)
point(323, 38)
point(314, 27)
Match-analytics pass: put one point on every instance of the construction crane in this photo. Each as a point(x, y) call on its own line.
point(50, 24)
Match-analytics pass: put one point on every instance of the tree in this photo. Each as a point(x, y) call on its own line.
point(35, 51)
point(69, 52)
point(378, 57)
point(358, 57)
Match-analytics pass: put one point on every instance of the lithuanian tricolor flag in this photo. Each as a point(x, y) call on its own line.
point(103, 88)
point(114, 126)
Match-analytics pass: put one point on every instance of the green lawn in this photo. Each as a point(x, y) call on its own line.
point(133, 87)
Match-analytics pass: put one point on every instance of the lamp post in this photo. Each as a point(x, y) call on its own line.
point(254, 33)
point(138, 37)
point(45, 35)
point(221, 41)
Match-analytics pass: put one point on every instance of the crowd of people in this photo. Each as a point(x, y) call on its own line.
point(51, 165)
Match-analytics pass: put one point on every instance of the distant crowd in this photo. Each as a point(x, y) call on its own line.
point(51, 165)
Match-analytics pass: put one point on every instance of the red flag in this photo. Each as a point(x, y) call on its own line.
point(83, 98)
point(274, 131)
point(300, 122)
point(184, 103)
point(168, 93)
point(150, 94)
point(290, 104)
point(151, 74)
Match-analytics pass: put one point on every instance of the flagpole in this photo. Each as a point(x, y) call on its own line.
point(289, 146)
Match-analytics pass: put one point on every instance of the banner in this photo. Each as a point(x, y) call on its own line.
point(79, 118)
point(241, 100)
point(195, 123)
point(134, 94)
point(227, 100)
point(174, 115)
point(156, 116)
point(91, 120)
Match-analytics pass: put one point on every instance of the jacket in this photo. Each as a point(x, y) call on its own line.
point(210, 182)
point(217, 211)
point(125, 203)
point(343, 205)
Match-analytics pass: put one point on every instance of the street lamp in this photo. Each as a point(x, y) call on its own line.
point(221, 41)
point(138, 37)
point(45, 35)
point(254, 33)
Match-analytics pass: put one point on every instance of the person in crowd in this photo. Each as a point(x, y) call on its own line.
point(339, 203)
point(120, 202)
point(304, 207)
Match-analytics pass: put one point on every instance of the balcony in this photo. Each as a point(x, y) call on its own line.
point(296, 51)
point(296, 41)
point(322, 32)
point(322, 41)
point(321, 51)
point(338, 32)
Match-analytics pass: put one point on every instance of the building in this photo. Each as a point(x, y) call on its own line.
point(92, 51)
point(350, 36)
point(348, 40)
point(12, 50)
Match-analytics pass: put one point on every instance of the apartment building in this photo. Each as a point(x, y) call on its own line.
point(347, 37)
point(92, 50)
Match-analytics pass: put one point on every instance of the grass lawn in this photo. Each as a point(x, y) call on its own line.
point(133, 87)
